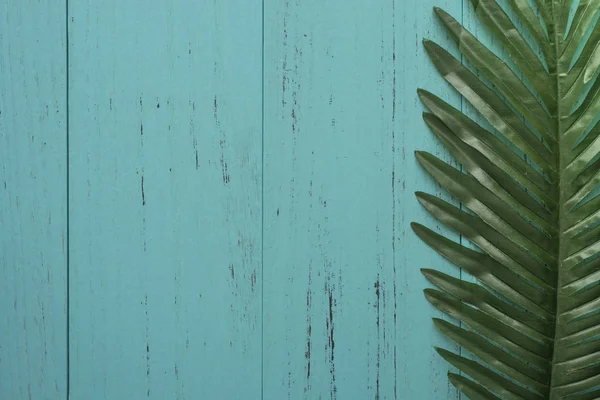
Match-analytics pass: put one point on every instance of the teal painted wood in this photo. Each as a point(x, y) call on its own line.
point(165, 125)
point(344, 313)
point(166, 191)
point(33, 342)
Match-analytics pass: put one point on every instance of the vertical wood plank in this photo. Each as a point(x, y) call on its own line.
point(344, 312)
point(165, 199)
point(424, 372)
point(33, 193)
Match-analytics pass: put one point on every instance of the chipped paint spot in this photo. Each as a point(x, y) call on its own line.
point(253, 280)
point(307, 354)
point(216, 111)
point(330, 325)
point(224, 167)
point(147, 346)
point(377, 287)
point(143, 194)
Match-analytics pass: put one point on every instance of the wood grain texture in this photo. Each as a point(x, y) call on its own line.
point(344, 313)
point(33, 193)
point(165, 199)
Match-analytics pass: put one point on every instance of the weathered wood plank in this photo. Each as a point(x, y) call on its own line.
point(33, 193)
point(165, 199)
point(344, 313)
point(423, 372)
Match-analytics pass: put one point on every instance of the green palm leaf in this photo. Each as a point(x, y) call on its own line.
point(527, 184)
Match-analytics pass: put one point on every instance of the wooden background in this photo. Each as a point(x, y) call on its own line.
point(211, 199)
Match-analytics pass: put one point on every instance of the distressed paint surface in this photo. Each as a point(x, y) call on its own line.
point(344, 313)
point(165, 159)
point(212, 255)
point(33, 193)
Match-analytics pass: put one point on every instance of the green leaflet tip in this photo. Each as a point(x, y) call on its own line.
point(437, 126)
point(427, 271)
point(443, 324)
point(423, 92)
point(421, 198)
point(444, 353)
point(431, 46)
point(419, 194)
point(441, 13)
point(420, 154)
point(455, 379)
point(438, 322)
point(430, 118)
point(429, 293)
point(417, 228)
point(426, 159)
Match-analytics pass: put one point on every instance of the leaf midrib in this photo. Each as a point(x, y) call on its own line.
point(561, 209)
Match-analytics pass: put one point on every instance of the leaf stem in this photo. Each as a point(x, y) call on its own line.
point(558, 330)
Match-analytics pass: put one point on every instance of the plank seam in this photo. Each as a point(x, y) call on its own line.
point(67, 246)
point(262, 180)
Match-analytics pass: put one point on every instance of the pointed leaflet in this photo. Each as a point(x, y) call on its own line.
point(473, 390)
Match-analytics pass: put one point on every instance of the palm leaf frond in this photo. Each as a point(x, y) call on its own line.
point(527, 184)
